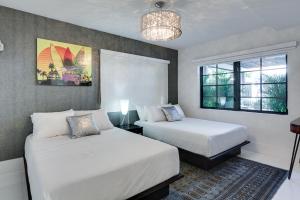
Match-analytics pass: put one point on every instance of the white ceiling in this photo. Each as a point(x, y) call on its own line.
point(202, 20)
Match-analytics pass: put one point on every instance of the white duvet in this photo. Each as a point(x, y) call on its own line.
point(207, 138)
point(114, 165)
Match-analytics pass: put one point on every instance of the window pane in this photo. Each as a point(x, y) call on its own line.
point(250, 103)
point(209, 69)
point(274, 90)
point(250, 90)
point(250, 65)
point(225, 91)
point(225, 79)
point(225, 68)
point(274, 105)
point(209, 102)
point(274, 76)
point(274, 62)
point(250, 77)
point(209, 80)
point(262, 84)
point(209, 91)
point(226, 102)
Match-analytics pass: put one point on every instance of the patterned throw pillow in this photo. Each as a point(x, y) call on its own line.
point(83, 125)
point(171, 113)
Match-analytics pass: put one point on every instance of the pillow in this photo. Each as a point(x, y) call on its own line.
point(171, 113)
point(100, 116)
point(141, 112)
point(83, 125)
point(52, 124)
point(180, 111)
point(146, 118)
point(155, 114)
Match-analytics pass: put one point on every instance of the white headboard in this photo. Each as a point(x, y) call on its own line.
point(142, 80)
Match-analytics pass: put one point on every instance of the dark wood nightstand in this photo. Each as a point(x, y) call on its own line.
point(132, 128)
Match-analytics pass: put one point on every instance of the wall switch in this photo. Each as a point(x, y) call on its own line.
point(1, 46)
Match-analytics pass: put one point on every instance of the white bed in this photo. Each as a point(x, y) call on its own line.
point(203, 137)
point(114, 165)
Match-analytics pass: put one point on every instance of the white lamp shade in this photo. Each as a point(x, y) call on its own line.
point(124, 103)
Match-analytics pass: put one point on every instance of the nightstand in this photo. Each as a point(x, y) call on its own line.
point(132, 128)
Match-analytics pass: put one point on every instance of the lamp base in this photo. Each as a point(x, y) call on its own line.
point(122, 121)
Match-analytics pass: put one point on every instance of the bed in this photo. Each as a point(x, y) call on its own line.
point(114, 165)
point(200, 142)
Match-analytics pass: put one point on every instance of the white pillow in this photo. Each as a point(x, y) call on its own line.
point(100, 117)
point(155, 114)
point(141, 112)
point(51, 124)
point(179, 110)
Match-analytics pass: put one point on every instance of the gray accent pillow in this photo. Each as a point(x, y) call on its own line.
point(83, 125)
point(171, 113)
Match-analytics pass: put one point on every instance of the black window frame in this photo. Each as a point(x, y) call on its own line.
point(237, 89)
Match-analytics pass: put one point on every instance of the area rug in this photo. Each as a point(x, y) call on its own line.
point(235, 179)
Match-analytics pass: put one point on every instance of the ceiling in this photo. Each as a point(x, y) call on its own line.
point(202, 20)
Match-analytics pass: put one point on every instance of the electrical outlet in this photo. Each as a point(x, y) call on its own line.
point(1, 46)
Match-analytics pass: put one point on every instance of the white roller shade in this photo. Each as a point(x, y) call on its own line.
point(142, 80)
point(245, 54)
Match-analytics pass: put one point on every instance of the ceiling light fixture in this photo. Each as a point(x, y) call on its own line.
point(161, 25)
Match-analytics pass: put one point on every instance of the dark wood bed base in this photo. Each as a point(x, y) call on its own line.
point(208, 163)
point(155, 193)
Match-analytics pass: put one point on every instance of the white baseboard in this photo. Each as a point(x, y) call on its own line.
point(11, 165)
point(12, 180)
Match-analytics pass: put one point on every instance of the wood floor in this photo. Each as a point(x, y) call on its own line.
point(13, 186)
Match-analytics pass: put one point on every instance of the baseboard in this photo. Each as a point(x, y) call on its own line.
point(11, 166)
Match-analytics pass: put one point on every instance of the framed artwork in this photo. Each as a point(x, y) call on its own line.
point(63, 64)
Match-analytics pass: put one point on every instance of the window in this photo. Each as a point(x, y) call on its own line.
point(218, 86)
point(257, 85)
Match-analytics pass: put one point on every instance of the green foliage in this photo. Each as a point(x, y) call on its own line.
point(209, 91)
point(275, 90)
point(209, 102)
point(223, 91)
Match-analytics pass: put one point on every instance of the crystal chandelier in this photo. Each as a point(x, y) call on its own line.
point(161, 25)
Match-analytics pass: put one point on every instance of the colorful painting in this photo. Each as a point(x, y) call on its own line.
point(63, 64)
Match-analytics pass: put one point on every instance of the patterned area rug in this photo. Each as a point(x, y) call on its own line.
point(235, 179)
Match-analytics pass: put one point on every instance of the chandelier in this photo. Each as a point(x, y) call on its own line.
point(161, 25)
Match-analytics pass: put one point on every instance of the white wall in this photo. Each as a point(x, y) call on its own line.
point(269, 133)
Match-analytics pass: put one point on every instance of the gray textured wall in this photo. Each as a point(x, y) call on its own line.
point(19, 94)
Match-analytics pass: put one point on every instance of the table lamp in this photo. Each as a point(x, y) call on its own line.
point(124, 103)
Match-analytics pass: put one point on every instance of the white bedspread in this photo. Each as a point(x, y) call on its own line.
point(207, 138)
point(114, 165)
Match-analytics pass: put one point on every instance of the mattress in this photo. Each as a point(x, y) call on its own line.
point(203, 137)
point(114, 165)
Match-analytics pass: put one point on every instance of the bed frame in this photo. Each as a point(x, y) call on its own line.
point(156, 192)
point(207, 163)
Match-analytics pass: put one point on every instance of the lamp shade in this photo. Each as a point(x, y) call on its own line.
point(124, 103)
